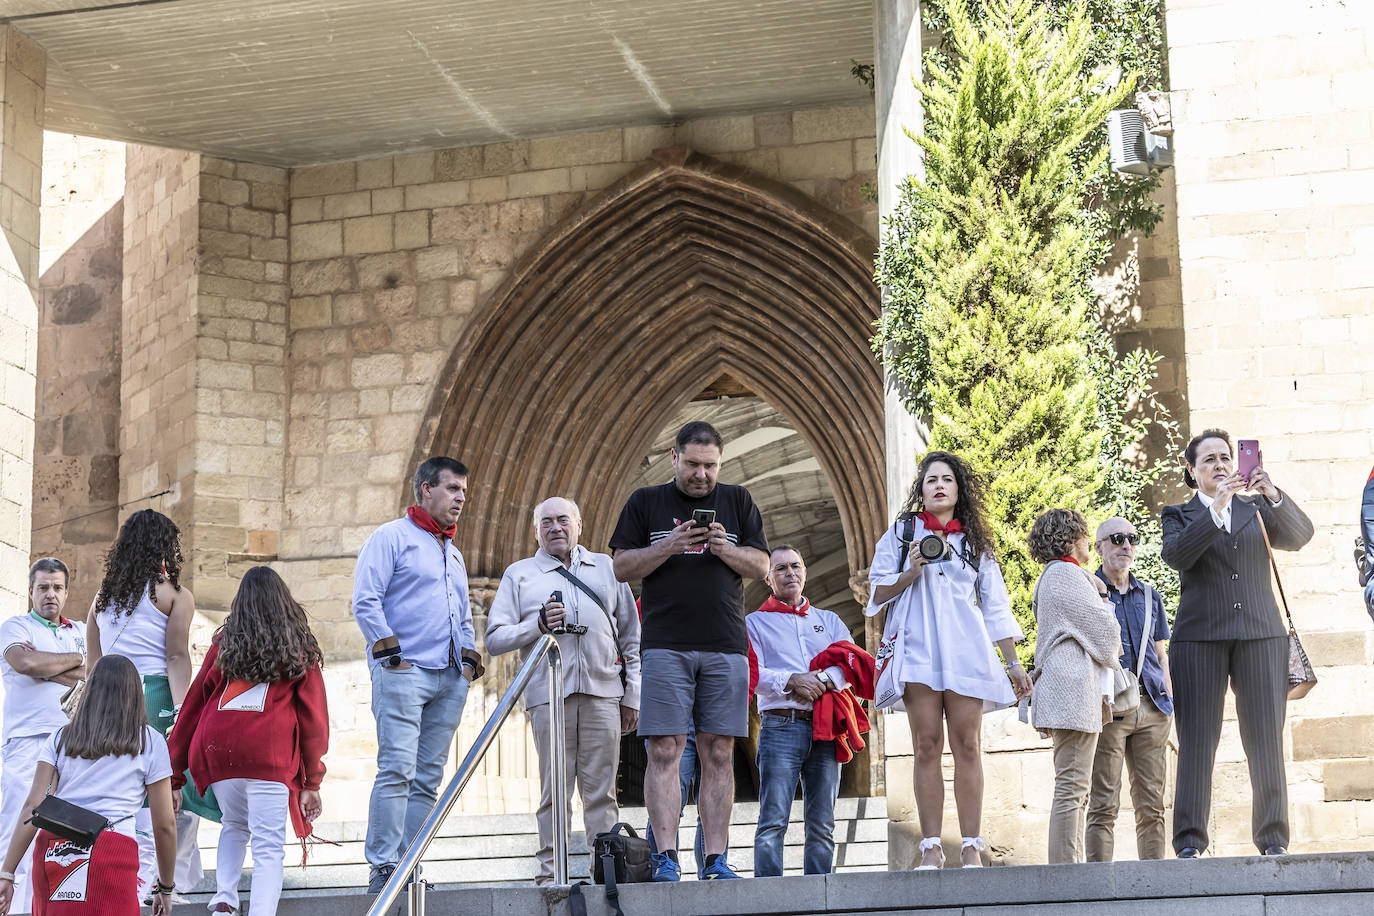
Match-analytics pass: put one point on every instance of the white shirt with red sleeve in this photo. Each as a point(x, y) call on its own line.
point(783, 642)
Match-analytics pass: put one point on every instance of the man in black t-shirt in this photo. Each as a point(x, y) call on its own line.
point(694, 649)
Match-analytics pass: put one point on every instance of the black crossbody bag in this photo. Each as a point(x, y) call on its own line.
point(615, 637)
point(71, 822)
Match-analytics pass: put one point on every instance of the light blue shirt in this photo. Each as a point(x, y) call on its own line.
point(410, 585)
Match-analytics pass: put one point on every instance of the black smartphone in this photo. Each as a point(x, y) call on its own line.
point(557, 596)
point(703, 517)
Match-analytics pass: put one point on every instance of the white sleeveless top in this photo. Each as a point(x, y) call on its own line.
point(141, 638)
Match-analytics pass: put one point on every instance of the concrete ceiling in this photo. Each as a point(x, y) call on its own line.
point(294, 82)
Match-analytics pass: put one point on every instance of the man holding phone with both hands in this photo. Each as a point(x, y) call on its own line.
point(692, 542)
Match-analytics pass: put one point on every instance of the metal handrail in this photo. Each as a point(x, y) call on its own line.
point(547, 646)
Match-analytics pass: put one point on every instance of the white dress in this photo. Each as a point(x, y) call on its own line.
point(940, 631)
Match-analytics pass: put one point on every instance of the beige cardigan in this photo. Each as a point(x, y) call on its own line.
point(1075, 634)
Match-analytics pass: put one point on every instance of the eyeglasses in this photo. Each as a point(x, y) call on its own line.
point(1118, 539)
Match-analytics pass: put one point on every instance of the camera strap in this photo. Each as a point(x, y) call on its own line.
point(615, 637)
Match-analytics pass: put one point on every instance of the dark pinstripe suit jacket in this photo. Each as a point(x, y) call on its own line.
point(1227, 590)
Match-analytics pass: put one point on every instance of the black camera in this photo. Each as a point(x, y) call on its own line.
point(575, 629)
point(934, 549)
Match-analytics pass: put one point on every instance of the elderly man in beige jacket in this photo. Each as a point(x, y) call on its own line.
point(567, 590)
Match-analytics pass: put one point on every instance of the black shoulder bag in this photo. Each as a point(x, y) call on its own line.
point(620, 858)
point(615, 637)
point(71, 822)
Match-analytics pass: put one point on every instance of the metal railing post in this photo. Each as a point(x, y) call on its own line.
point(416, 896)
point(559, 753)
point(546, 647)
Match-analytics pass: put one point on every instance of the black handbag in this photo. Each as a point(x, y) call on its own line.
point(620, 858)
point(71, 822)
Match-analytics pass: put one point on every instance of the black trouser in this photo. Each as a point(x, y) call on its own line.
point(1257, 670)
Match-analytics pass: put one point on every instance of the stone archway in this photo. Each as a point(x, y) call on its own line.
point(684, 270)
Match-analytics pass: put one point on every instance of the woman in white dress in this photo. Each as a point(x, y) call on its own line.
point(948, 607)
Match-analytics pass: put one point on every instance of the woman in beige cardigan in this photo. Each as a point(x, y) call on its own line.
point(1078, 643)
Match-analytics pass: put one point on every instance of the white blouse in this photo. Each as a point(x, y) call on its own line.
point(941, 630)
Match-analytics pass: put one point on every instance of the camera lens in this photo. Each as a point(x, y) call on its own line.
point(933, 548)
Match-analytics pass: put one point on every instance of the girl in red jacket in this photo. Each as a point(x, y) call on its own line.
point(255, 726)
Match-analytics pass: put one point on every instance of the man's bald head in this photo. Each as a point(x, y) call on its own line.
point(1114, 525)
point(1116, 558)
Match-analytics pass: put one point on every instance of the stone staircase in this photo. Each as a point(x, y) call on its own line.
point(498, 850)
point(1332, 884)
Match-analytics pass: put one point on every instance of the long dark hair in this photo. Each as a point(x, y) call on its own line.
point(267, 636)
point(1190, 453)
point(110, 719)
point(968, 508)
point(147, 550)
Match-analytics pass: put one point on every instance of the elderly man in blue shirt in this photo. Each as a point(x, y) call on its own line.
point(1141, 736)
point(410, 598)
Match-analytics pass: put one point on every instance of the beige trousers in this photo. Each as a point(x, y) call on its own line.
point(1073, 768)
point(591, 728)
point(1140, 738)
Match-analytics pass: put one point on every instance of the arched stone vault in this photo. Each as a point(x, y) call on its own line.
point(684, 270)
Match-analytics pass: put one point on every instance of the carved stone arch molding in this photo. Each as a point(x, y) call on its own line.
point(684, 270)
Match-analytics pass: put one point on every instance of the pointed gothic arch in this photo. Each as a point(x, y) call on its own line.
point(684, 270)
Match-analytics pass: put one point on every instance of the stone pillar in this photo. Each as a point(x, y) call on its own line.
point(23, 76)
point(897, 58)
point(1275, 171)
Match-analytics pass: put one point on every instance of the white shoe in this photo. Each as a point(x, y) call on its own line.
point(931, 842)
point(976, 843)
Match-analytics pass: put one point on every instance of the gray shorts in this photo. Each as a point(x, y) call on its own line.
point(679, 689)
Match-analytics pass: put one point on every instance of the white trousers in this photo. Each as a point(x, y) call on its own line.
point(18, 760)
point(188, 868)
point(256, 810)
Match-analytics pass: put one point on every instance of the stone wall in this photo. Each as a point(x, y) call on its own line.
point(23, 79)
point(1276, 253)
point(389, 258)
point(76, 452)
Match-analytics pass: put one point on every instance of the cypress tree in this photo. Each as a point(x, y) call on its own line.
point(990, 325)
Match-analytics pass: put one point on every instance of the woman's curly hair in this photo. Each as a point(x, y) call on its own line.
point(1055, 533)
point(267, 636)
point(968, 506)
point(146, 552)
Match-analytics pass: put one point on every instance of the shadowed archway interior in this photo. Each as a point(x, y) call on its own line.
point(683, 271)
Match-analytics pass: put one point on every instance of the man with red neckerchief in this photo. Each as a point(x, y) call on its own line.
point(410, 598)
point(785, 634)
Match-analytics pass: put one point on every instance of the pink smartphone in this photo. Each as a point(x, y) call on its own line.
point(1248, 457)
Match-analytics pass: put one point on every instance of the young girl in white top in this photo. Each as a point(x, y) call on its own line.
point(945, 615)
point(143, 613)
point(108, 760)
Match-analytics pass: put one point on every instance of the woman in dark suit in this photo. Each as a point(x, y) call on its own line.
point(1229, 629)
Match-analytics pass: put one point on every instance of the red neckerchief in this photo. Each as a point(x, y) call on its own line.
point(782, 607)
point(426, 522)
point(933, 524)
point(1073, 561)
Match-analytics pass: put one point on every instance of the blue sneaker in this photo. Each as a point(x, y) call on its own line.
point(665, 869)
point(719, 870)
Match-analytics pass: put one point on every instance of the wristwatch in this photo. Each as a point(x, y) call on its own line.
point(393, 661)
point(824, 678)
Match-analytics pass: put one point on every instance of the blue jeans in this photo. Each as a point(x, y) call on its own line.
point(417, 711)
point(786, 753)
point(689, 775)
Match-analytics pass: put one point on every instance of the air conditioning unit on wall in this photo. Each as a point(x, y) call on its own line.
point(1135, 150)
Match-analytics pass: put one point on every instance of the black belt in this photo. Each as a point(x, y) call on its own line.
point(799, 715)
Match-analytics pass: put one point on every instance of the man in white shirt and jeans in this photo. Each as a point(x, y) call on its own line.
point(597, 628)
point(44, 655)
point(785, 634)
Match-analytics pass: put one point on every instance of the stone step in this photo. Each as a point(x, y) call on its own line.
point(499, 849)
point(1333, 884)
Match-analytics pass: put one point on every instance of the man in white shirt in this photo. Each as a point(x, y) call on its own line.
point(785, 634)
point(567, 590)
point(44, 655)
